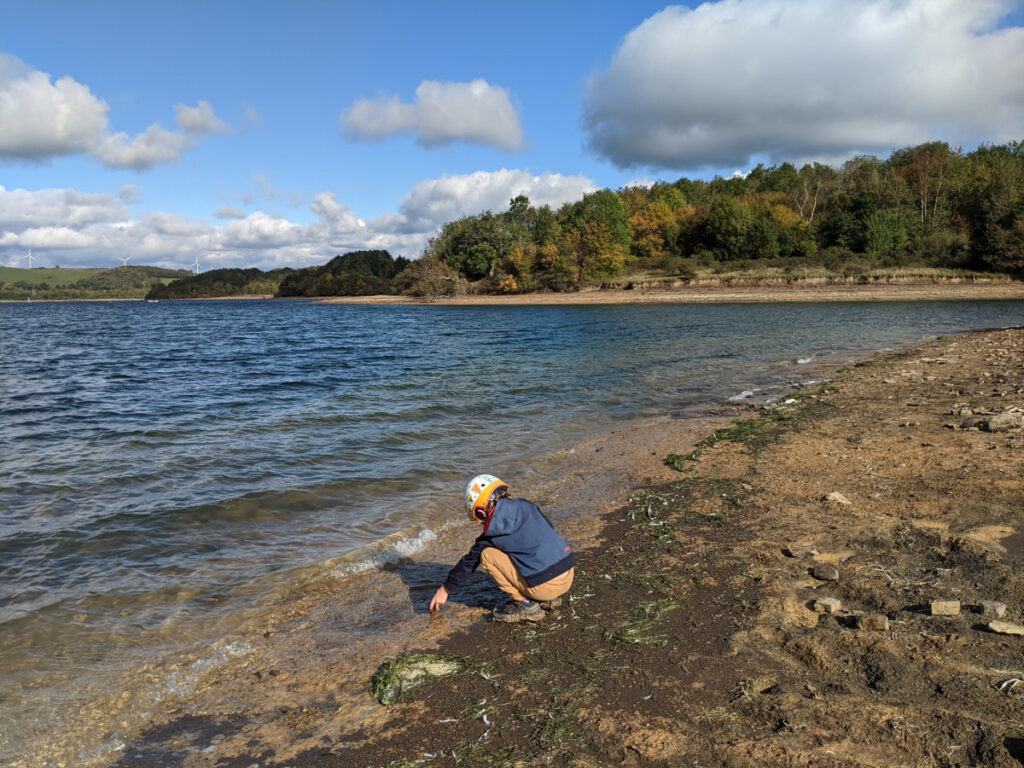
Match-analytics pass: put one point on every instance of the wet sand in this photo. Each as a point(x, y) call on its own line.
point(692, 636)
point(712, 292)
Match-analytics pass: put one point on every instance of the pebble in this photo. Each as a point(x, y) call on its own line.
point(837, 498)
point(825, 573)
point(945, 607)
point(828, 605)
point(1006, 628)
point(1004, 421)
point(801, 553)
point(993, 609)
point(873, 622)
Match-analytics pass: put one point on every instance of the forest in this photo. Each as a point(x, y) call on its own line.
point(927, 206)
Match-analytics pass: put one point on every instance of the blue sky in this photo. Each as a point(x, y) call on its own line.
point(279, 134)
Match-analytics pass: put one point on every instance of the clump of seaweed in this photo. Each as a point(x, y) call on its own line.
point(399, 675)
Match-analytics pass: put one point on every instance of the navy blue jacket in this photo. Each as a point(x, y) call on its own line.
point(520, 530)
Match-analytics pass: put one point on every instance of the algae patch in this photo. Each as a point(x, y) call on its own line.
point(403, 673)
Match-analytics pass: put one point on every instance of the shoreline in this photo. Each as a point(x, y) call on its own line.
point(735, 645)
point(704, 294)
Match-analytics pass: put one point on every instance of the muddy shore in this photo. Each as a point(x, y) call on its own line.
point(703, 627)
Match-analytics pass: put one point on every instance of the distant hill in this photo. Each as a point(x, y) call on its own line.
point(74, 283)
point(218, 283)
point(358, 273)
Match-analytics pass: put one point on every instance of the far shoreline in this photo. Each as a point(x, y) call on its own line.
point(724, 294)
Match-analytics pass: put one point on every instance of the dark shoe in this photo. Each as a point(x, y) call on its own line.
point(517, 611)
point(550, 605)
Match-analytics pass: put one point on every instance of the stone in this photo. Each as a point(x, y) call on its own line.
point(1005, 628)
point(873, 622)
point(837, 498)
point(828, 605)
point(801, 553)
point(993, 609)
point(945, 607)
point(824, 572)
point(1004, 421)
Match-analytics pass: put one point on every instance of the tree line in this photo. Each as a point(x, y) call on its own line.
point(928, 205)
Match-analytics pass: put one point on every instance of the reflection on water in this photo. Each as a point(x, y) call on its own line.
point(172, 468)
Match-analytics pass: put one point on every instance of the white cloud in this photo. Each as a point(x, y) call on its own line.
point(443, 113)
point(72, 228)
point(735, 80)
point(22, 210)
point(144, 151)
point(41, 119)
point(199, 120)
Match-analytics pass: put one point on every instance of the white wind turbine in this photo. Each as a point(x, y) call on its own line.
point(196, 264)
point(124, 261)
point(29, 257)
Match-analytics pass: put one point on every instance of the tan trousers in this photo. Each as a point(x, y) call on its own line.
point(500, 567)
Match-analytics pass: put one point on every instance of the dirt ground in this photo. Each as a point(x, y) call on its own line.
point(691, 636)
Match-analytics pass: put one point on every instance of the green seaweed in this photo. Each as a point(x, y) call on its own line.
point(397, 676)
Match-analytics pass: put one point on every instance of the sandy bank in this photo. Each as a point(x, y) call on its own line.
point(706, 294)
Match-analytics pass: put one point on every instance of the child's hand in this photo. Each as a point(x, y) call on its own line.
point(440, 598)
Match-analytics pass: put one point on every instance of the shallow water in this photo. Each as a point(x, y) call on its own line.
point(172, 469)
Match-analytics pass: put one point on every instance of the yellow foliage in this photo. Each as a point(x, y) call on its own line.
point(784, 215)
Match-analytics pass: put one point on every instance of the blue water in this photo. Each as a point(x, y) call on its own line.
point(167, 464)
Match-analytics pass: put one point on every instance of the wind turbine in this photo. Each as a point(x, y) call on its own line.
point(196, 264)
point(29, 257)
point(124, 261)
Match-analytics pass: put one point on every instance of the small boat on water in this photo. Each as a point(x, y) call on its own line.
point(152, 301)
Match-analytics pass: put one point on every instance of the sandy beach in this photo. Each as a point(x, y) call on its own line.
point(711, 292)
point(821, 584)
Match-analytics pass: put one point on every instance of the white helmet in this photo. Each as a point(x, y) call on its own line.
point(479, 491)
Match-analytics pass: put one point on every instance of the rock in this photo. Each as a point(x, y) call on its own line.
point(873, 622)
point(837, 498)
point(1005, 628)
point(1004, 421)
point(801, 553)
point(399, 675)
point(993, 609)
point(945, 607)
point(828, 605)
point(824, 572)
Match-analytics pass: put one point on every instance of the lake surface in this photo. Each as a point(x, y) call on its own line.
point(169, 469)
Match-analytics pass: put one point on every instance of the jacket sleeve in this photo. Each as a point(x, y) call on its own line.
point(458, 575)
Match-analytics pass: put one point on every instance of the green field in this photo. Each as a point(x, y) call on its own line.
point(54, 277)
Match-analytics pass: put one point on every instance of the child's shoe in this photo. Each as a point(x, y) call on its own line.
point(550, 605)
point(517, 611)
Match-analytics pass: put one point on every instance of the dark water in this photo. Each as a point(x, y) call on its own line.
point(169, 467)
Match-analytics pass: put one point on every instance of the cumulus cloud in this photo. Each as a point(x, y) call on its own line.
point(199, 120)
point(41, 119)
point(74, 228)
point(737, 80)
point(442, 113)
